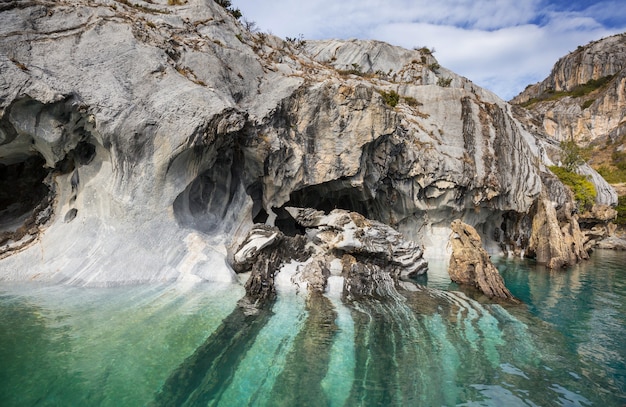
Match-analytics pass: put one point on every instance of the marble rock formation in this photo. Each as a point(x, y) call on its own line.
point(555, 241)
point(363, 252)
point(470, 264)
point(612, 243)
point(153, 137)
point(597, 224)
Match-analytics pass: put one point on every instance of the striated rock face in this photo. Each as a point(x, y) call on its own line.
point(263, 252)
point(581, 100)
point(470, 263)
point(162, 134)
point(592, 61)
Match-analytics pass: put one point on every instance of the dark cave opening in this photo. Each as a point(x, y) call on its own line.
point(325, 197)
point(22, 191)
point(328, 196)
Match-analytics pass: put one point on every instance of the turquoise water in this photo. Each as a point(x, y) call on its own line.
point(173, 345)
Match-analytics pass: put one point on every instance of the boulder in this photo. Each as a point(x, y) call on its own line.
point(471, 265)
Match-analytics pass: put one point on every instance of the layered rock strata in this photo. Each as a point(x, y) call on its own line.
point(168, 132)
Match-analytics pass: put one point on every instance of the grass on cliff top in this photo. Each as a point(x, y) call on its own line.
point(576, 92)
point(583, 189)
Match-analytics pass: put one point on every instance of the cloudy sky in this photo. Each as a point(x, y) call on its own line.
point(502, 45)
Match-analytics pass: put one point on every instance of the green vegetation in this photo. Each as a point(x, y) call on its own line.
point(587, 103)
point(610, 160)
point(444, 82)
point(235, 12)
point(425, 50)
point(576, 92)
point(572, 155)
point(621, 211)
point(615, 172)
point(411, 101)
point(391, 98)
point(583, 189)
point(434, 66)
point(357, 72)
point(612, 175)
point(299, 42)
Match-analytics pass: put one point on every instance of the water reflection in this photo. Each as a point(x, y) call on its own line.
point(564, 346)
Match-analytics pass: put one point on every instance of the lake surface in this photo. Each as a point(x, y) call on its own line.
point(191, 345)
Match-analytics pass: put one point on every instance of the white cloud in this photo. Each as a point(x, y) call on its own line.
point(503, 45)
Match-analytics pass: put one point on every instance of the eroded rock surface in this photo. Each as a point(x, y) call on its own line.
point(369, 255)
point(597, 224)
point(586, 116)
point(470, 264)
point(169, 131)
point(555, 241)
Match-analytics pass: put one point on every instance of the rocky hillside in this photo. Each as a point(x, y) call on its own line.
point(583, 98)
point(143, 140)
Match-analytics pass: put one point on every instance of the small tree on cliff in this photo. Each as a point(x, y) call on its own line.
point(573, 155)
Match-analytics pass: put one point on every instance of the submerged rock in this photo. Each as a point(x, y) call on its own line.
point(470, 264)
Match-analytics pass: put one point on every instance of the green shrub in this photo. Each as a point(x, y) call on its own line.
point(619, 159)
point(587, 103)
point(235, 12)
point(425, 50)
point(621, 211)
point(583, 189)
point(444, 82)
point(572, 155)
point(391, 98)
point(411, 101)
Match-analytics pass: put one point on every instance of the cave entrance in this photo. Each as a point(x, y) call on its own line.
point(22, 193)
point(326, 197)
